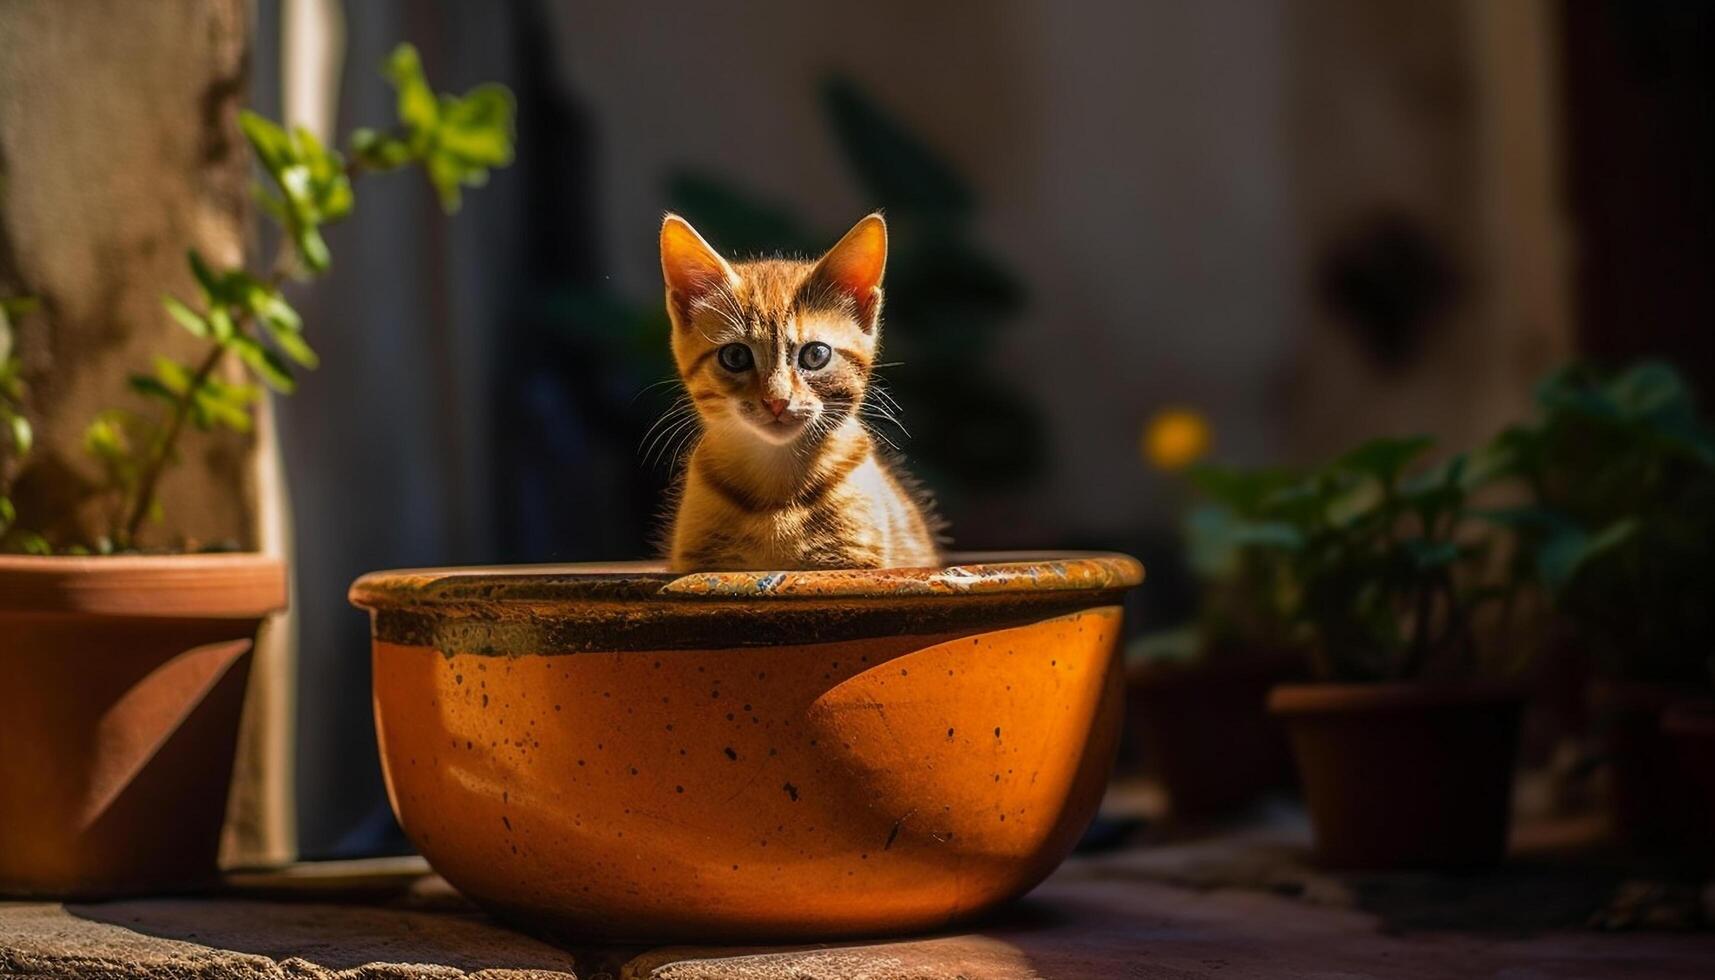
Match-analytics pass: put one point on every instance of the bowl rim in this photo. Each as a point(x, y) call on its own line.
point(966, 574)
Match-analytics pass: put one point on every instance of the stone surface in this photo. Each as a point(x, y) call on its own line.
point(1238, 906)
point(241, 938)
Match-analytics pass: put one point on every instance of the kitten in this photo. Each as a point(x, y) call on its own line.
point(776, 357)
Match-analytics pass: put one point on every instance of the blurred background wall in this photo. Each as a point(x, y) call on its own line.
point(1309, 221)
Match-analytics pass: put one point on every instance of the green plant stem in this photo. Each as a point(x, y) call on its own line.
point(148, 482)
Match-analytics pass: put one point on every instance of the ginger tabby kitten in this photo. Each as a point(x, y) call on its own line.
point(776, 355)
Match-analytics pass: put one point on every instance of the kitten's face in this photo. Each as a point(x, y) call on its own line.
point(774, 351)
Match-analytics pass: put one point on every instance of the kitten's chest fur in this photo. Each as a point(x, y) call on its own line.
point(843, 508)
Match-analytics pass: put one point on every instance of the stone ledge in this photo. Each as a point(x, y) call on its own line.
point(1207, 909)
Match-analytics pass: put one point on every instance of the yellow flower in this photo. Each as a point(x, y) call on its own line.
point(1174, 438)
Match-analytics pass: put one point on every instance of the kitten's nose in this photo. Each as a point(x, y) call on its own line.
point(775, 405)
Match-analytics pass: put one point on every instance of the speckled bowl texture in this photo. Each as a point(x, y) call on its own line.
point(617, 752)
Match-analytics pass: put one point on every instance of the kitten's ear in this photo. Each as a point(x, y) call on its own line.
point(854, 267)
point(691, 268)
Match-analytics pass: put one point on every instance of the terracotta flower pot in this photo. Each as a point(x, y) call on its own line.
point(1651, 800)
point(123, 682)
point(1204, 729)
point(1404, 775)
point(1690, 727)
point(623, 753)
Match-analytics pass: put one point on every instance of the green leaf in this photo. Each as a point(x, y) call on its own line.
point(335, 198)
point(1526, 517)
point(299, 185)
point(186, 317)
point(312, 248)
point(378, 151)
point(1244, 490)
point(1427, 554)
point(277, 318)
point(205, 277)
point(152, 388)
point(8, 513)
point(16, 306)
point(175, 376)
point(264, 301)
point(1571, 549)
point(1355, 503)
point(477, 128)
point(267, 365)
point(23, 437)
point(1216, 536)
point(446, 176)
point(220, 324)
point(105, 438)
point(271, 204)
point(227, 405)
point(1649, 388)
point(1446, 475)
point(898, 170)
point(271, 143)
point(294, 345)
point(1384, 459)
point(418, 108)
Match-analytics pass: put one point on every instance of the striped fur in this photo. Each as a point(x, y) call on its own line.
point(784, 475)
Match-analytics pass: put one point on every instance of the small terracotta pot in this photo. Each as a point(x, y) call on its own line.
point(1204, 729)
point(1652, 802)
point(123, 683)
point(1690, 727)
point(1404, 776)
point(618, 752)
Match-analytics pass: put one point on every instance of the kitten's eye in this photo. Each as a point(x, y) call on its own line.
point(815, 356)
point(734, 357)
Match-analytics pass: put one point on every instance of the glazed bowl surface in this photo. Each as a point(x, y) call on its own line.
point(618, 752)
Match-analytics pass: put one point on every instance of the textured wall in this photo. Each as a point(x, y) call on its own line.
point(118, 151)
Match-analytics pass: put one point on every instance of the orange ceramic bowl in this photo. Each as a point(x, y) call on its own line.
point(616, 752)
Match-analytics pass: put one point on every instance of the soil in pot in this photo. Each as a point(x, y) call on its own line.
point(1404, 776)
point(119, 716)
point(1204, 729)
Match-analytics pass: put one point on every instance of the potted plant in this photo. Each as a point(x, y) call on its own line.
point(126, 656)
point(1619, 469)
point(1197, 695)
point(1405, 743)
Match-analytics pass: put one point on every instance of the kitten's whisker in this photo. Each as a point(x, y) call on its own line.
point(877, 433)
point(651, 387)
point(885, 395)
point(679, 406)
point(882, 414)
point(670, 416)
point(678, 411)
point(671, 436)
point(687, 444)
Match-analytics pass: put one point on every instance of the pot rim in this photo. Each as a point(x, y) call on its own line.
point(1690, 718)
point(1361, 697)
point(241, 585)
point(968, 574)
